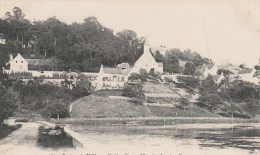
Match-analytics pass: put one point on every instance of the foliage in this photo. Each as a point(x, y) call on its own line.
point(208, 86)
point(257, 67)
point(82, 88)
point(135, 92)
point(210, 100)
point(158, 57)
point(184, 103)
point(79, 46)
point(189, 68)
point(55, 110)
point(137, 77)
point(225, 72)
point(189, 81)
point(208, 93)
point(7, 104)
point(252, 106)
point(242, 90)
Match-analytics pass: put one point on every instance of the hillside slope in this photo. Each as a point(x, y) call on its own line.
point(103, 106)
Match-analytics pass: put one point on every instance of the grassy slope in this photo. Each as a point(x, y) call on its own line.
point(102, 106)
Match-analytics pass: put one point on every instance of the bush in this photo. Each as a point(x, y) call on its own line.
point(135, 92)
point(184, 103)
point(55, 110)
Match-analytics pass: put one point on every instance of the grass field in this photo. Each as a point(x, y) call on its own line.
point(177, 112)
point(101, 106)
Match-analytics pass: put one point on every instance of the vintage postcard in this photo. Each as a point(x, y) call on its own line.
point(130, 77)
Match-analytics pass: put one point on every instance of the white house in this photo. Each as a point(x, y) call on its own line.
point(115, 78)
point(110, 78)
point(147, 62)
point(204, 70)
point(18, 64)
point(218, 78)
point(249, 74)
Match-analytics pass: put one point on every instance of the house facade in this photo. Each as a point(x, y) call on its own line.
point(18, 64)
point(204, 70)
point(147, 62)
point(249, 75)
point(107, 78)
point(110, 78)
point(115, 78)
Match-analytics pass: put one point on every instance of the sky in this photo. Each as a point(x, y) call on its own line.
point(223, 30)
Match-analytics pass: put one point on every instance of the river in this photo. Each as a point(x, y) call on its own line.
point(183, 139)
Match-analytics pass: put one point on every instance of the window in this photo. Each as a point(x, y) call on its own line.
point(16, 62)
point(21, 61)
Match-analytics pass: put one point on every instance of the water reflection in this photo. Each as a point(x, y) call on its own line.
point(195, 136)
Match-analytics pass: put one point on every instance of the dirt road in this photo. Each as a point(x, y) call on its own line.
point(25, 137)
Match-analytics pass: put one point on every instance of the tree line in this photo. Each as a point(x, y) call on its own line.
point(81, 46)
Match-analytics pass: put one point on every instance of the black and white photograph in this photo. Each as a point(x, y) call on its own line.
point(129, 77)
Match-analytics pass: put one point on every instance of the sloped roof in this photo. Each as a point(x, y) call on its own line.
point(123, 65)
point(245, 71)
point(257, 73)
point(200, 71)
point(112, 71)
point(182, 63)
point(127, 71)
point(40, 62)
point(201, 67)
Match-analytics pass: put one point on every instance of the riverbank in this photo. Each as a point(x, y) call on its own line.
point(152, 120)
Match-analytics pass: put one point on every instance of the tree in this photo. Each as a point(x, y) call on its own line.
point(225, 72)
point(252, 106)
point(55, 110)
point(208, 93)
point(189, 68)
point(158, 56)
point(135, 92)
point(7, 104)
point(137, 77)
point(82, 88)
point(211, 100)
point(208, 86)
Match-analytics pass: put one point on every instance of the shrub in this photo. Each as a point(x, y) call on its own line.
point(135, 92)
point(55, 110)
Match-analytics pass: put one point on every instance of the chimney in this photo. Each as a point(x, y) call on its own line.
point(11, 57)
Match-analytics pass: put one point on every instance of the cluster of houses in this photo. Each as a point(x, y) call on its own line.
point(106, 78)
point(115, 78)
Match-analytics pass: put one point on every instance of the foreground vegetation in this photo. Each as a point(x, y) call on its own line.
point(5, 130)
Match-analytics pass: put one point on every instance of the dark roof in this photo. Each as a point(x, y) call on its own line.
point(123, 65)
point(112, 71)
point(200, 71)
point(245, 71)
point(40, 62)
point(257, 73)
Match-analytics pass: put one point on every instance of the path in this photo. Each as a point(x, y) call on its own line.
point(26, 136)
point(75, 102)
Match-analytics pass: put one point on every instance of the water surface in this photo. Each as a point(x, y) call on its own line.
point(185, 139)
